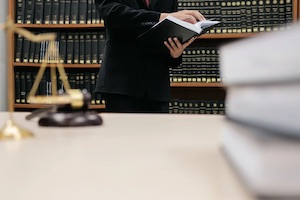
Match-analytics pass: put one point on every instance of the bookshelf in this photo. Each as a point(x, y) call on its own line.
point(83, 22)
point(241, 19)
point(238, 25)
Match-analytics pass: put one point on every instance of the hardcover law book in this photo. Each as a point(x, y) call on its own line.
point(173, 27)
point(267, 163)
point(273, 107)
point(270, 57)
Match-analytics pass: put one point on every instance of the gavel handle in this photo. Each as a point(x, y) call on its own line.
point(38, 112)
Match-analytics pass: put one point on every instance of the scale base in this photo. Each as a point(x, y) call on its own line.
point(69, 119)
point(11, 131)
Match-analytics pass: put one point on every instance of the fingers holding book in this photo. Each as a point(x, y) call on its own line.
point(191, 16)
point(176, 47)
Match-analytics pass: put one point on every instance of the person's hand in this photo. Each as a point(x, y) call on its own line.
point(191, 16)
point(175, 46)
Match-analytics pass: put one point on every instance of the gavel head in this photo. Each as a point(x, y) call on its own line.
point(79, 98)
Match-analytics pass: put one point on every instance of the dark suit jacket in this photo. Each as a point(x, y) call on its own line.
point(129, 67)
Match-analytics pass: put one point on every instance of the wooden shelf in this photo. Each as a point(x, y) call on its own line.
point(37, 106)
point(196, 84)
point(228, 36)
point(16, 64)
point(60, 26)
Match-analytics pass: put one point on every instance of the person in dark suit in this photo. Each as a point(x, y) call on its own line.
point(134, 77)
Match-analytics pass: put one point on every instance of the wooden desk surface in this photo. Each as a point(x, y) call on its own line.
point(129, 157)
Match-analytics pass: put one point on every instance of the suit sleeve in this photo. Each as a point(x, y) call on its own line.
point(122, 16)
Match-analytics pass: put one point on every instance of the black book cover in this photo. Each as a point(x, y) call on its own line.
point(173, 27)
point(82, 11)
point(76, 48)
point(68, 11)
point(93, 85)
point(31, 52)
point(101, 45)
point(74, 11)
point(55, 11)
point(62, 7)
point(72, 79)
point(17, 87)
point(39, 11)
point(81, 80)
point(77, 82)
point(87, 81)
point(88, 48)
point(26, 49)
point(89, 12)
point(81, 48)
point(70, 48)
point(95, 58)
point(18, 49)
point(63, 46)
point(28, 83)
point(23, 87)
point(29, 11)
point(37, 52)
point(47, 11)
point(94, 13)
point(20, 11)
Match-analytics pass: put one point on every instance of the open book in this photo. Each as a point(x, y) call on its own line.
point(173, 27)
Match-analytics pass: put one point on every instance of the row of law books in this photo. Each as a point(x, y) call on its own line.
point(56, 12)
point(78, 79)
point(74, 48)
point(261, 136)
point(195, 73)
point(200, 56)
point(244, 16)
point(177, 106)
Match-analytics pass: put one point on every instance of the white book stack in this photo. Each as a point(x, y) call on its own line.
point(262, 136)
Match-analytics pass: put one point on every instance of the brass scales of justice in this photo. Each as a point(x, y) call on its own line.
point(67, 109)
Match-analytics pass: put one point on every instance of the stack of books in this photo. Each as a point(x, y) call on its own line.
point(261, 137)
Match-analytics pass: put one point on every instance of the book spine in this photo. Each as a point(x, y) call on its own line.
point(88, 48)
point(26, 49)
point(67, 13)
point(62, 7)
point(23, 87)
point(74, 11)
point(39, 11)
point(83, 11)
point(275, 14)
point(20, 11)
point(255, 17)
point(18, 49)
point(29, 15)
point(17, 87)
point(101, 45)
point(89, 12)
point(55, 11)
point(76, 48)
point(87, 81)
point(63, 46)
point(81, 48)
point(47, 11)
point(70, 48)
point(37, 52)
point(93, 86)
point(289, 12)
point(94, 13)
point(94, 49)
point(281, 9)
point(31, 52)
point(28, 86)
